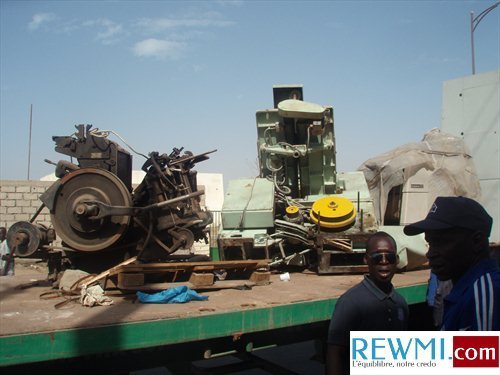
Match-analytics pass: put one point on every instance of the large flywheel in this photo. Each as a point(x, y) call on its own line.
point(70, 218)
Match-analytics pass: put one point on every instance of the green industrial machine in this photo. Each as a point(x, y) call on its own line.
point(299, 211)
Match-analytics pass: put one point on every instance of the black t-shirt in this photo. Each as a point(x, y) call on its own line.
point(365, 307)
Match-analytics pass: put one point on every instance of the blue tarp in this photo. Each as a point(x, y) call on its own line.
point(180, 294)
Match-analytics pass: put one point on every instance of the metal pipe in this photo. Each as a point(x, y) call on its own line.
point(296, 151)
point(104, 210)
point(175, 200)
point(208, 354)
point(42, 206)
point(472, 42)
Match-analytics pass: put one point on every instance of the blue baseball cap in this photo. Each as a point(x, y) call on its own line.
point(453, 212)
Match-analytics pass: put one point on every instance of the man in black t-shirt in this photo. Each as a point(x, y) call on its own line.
point(371, 305)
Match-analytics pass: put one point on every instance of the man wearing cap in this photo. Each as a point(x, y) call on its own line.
point(371, 305)
point(457, 231)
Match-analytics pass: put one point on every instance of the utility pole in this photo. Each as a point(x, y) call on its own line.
point(474, 21)
point(29, 144)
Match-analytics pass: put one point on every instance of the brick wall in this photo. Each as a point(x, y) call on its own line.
point(19, 200)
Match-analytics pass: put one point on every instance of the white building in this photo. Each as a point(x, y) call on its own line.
point(471, 110)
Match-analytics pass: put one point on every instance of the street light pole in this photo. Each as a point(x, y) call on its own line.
point(29, 142)
point(474, 21)
point(472, 42)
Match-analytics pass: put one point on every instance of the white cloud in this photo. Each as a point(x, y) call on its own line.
point(162, 38)
point(40, 19)
point(111, 30)
point(67, 27)
point(161, 24)
point(157, 48)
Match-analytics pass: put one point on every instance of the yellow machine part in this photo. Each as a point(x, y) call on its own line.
point(333, 212)
point(292, 211)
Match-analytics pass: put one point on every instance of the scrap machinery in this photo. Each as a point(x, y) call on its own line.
point(99, 217)
point(299, 211)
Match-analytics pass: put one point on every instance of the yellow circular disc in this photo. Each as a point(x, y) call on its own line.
point(292, 210)
point(333, 212)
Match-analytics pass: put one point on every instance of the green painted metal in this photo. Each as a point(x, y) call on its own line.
point(214, 254)
point(302, 145)
point(36, 347)
point(249, 204)
point(414, 294)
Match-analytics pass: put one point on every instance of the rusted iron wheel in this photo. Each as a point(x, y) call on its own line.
point(25, 238)
point(74, 224)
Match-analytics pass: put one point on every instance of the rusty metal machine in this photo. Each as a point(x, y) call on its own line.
point(99, 217)
point(299, 211)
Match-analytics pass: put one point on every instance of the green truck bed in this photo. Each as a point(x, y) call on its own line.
point(32, 330)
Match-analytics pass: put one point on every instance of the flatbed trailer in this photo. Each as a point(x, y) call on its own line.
point(34, 333)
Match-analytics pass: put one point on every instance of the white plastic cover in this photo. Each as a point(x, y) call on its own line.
point(444, 155)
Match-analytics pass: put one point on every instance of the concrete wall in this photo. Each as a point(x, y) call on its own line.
point(19, 200)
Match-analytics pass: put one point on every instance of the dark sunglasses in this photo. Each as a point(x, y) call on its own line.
point(390, 258)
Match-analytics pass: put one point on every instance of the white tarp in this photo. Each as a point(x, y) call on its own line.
point(445, 156)
point(449, 171)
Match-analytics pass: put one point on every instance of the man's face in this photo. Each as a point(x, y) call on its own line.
point(381, 258)
point(450, 252)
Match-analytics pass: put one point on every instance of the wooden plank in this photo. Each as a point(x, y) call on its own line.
point(107, 273)
point(191, 266)
point(201, 279)
point(217, 285)
point(130, 279)
point(260, 278)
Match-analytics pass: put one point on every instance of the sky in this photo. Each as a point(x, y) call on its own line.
point(192, 74)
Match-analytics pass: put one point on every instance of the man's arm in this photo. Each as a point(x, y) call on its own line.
point(336, 360)
point(486, 293)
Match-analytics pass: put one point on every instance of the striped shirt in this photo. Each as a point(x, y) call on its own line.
point(474, 302)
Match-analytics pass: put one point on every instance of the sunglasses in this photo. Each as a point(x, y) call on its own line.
point(390, 258)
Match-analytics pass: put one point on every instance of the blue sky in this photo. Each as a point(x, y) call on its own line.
point(167, 74)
